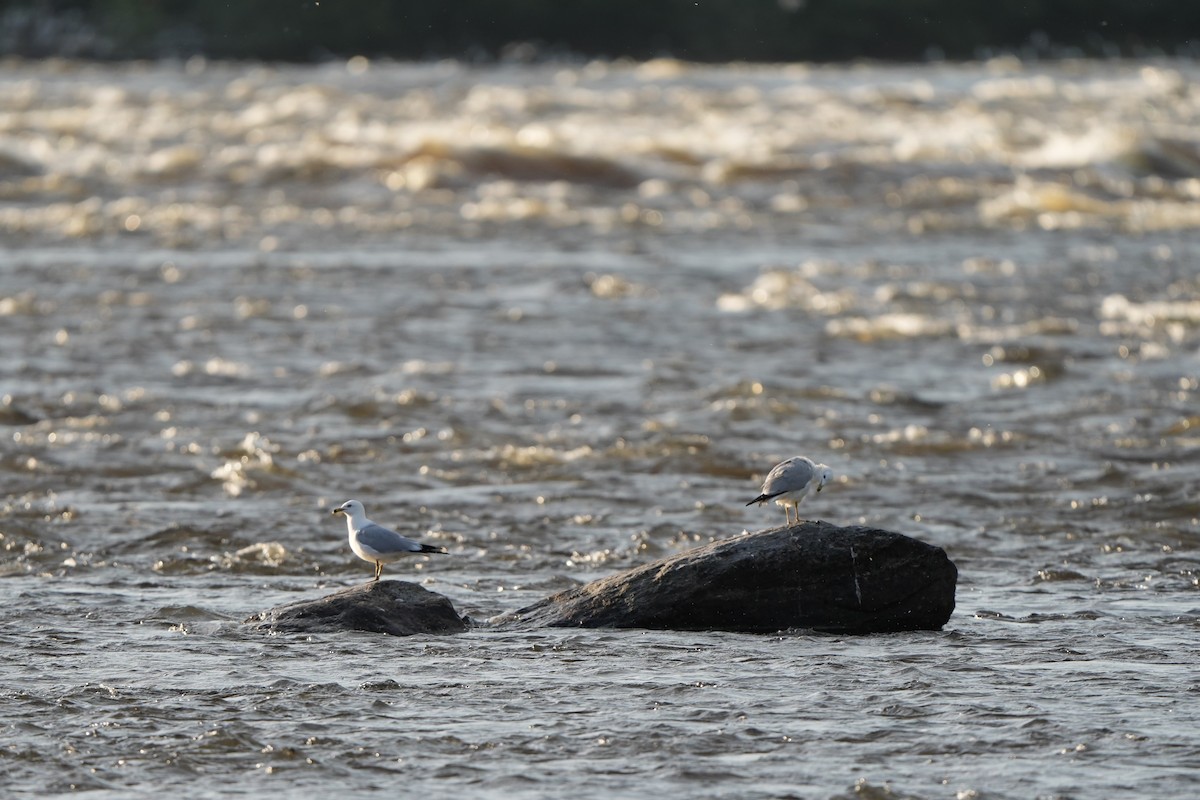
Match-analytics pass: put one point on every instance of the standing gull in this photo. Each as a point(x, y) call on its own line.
point(788, 483)
point(375, 543)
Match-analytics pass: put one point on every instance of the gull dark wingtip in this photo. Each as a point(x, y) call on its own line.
point(762, 498)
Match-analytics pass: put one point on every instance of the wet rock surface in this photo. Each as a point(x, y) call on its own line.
point(398, 608)
point(812, 575)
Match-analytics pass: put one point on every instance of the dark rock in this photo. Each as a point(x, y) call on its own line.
point(396, 607)
point(814, 575)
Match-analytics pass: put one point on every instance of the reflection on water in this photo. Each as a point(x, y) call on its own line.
point(561, 319)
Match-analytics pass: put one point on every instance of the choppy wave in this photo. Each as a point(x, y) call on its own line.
point(563, 318)
point(142, 152)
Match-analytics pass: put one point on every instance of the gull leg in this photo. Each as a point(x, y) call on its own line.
point(378, 569)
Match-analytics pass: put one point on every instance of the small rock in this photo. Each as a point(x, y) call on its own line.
point(399, 608)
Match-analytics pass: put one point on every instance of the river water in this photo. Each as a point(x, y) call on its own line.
point(561, 319)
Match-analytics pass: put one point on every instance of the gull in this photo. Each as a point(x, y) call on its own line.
point(788, 483)
point(375, 543)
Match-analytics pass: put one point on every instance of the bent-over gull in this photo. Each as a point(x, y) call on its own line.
point(788, 483)
point(375, 543)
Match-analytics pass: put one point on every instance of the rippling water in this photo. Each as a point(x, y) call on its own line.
point(561, 319)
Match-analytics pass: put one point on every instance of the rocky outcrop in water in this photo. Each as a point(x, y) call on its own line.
point(396, 607)
point(813, 575)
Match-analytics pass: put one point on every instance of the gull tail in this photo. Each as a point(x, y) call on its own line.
point(762, 498)
point(429, 548)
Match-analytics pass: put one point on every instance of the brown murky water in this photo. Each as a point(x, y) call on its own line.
point(561, 319)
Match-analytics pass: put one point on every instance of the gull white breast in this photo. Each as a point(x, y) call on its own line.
point(375, 543)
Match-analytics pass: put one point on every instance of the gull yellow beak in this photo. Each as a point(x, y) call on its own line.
point(336, 511)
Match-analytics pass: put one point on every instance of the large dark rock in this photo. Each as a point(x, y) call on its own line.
point(396, 607)
point(814, 575)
